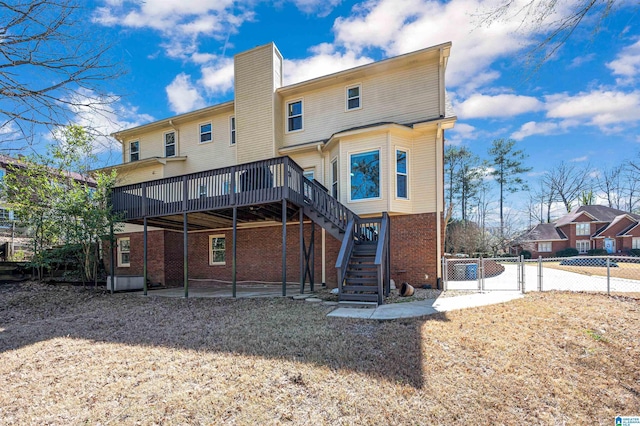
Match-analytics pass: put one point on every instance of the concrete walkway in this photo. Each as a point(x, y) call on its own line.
point(425, 307)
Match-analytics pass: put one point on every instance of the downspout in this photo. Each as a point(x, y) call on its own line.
point(323, 232)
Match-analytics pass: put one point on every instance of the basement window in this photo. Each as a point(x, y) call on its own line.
point(124, 252)
point(217, 250)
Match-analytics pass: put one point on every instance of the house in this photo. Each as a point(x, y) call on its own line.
point(589, 227)
point(15, 241)
point(346, 168)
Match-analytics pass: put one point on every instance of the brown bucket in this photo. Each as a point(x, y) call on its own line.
point(406, 290)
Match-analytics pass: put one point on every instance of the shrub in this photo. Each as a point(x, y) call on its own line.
point(597, 252)
point(526, 254)
point(568, 252)
point(635, 252)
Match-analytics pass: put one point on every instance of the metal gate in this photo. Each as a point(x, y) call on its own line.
point(483, 274)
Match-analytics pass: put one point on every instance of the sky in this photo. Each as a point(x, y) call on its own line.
point(581, 106)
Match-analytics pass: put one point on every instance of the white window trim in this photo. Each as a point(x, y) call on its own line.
point(286, 115)
point(395, 176)
point(583, 223)
point(346, 97)
point(635, 242)
point(233, 131)
point(175, 143)
point(200, 132)
point(364, 200)
point(337, 177)
point(582, 243)
point(211, 237)
point(130, 152)
point(545, 243)
point(119, 252)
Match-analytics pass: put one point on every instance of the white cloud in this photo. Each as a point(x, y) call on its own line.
point(627, 63)
point(579, 159)
point(579, 60)
point(319, 7)
point(324, 60)
point(534, 128)
point(598, 108)
point(460, 133)
point(218, 77)
point(183, 96)
point(103, 117)
point(505, 105)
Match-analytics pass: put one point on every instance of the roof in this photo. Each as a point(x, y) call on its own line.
point(570, 217)
point(605, 213)
point(543, 232)
point(18, 162)
point(615, 221)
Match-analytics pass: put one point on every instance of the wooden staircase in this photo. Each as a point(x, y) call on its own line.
point(364, 262)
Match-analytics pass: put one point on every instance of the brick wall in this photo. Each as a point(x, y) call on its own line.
point(413, 249)
point(259, 254)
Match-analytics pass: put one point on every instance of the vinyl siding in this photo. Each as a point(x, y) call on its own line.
point(254, 100)
point(310, 160)
point(141, 174)
point(424, 174)
point(406, 95)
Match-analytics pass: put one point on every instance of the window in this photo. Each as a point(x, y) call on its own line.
point(582, 246)
point(583, 229)
point(334, 178)
point(401, 174)
point(309, 174)
point(170, 144)
point(294, 116)
point(635, 243)
point(124, 250)
point(134, 151)
point(217, 250)
point(205, 133)
point(544, 247)
point(353, 97)
point(365, 175)
point(232, 126)
point(203, 191)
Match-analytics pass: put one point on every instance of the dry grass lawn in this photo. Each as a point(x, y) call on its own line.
point(629, 271)
point(74, 356)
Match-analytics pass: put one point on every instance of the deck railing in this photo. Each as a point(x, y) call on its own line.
point(248, 184)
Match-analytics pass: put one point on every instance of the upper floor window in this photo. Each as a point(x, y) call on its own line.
point(353, 97)
point(205, 133)
point(334, 178)
point(170, 144)
point(134, 151)
point(365, 175)
point(402, 190)
point(232, 127)
point(583, 229)
point(294, 116)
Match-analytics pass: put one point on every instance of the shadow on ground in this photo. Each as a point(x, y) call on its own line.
point(277, 328)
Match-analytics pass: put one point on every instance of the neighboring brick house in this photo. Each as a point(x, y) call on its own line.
point(589, 227)
point(357, 143)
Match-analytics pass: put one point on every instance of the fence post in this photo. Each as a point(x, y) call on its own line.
point(608, 275)
point(522, 280)
point(539, 273)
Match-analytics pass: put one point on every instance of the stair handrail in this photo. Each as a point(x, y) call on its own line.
point(346, 249)
point(382, 256)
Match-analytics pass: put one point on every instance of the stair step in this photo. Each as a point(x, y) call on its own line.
point(367, 265)
point(369, 280)
point(358, 297)
point(364, 273)
point(361, 288)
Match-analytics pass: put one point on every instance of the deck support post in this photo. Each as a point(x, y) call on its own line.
point(112, 246)
point(312, 249)
point(233, 250)
point(144, 255)
point(284, 246)
point(303, 272)
point(185, 229)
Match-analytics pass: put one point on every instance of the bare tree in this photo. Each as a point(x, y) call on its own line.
point(568, 181)
point(558, 20)
point(52, 66)
point(631, 186)
point(610, 183)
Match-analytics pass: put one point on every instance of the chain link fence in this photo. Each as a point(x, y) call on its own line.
point(606, 274)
